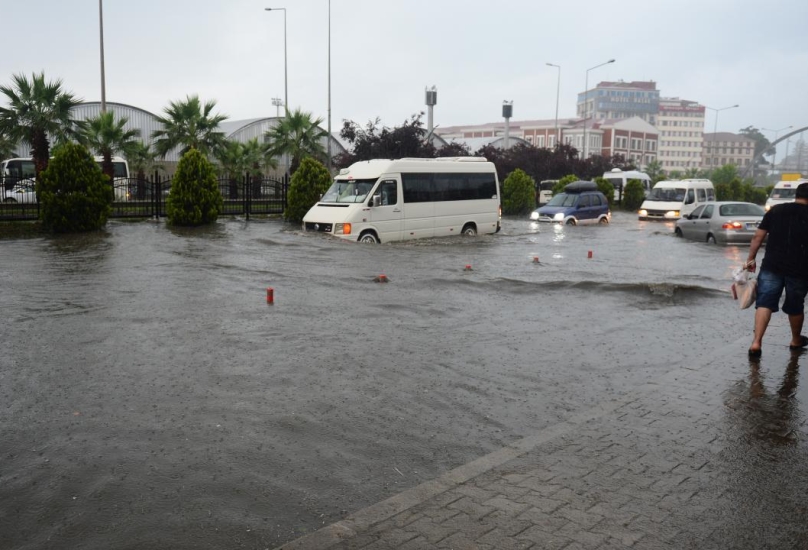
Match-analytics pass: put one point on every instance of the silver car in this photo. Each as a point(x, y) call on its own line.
point(723, 222)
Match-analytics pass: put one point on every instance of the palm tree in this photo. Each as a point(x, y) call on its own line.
point(231, 160)
point(258, 158)
point(189, 124)
point(142, 159)
point(8, 148)
point(105, 135)
point(38, 109)
point(297, 136)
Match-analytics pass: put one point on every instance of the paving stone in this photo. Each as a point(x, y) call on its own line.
point(543, 540)
point(547, 522)
point(470, 507)
point(500, 540)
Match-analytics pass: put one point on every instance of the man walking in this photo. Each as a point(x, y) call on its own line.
point(785, 267)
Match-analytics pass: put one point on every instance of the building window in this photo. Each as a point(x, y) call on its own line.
point(540, 141)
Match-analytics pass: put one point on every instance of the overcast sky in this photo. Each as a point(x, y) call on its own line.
point(384, 53)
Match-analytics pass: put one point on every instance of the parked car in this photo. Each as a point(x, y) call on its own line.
point(725, 222)
point(23, 192)
point(580, 203)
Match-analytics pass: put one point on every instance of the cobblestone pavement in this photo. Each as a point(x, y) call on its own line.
point(710, 456)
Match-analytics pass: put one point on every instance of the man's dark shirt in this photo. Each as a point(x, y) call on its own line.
point(787, 241)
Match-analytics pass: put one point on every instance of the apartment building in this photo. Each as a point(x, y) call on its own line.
point(726, 148)
point(681, 134)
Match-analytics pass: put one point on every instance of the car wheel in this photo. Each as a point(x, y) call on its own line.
point(571, 221)
point(603, 221)
point(678, 232)
point(9, 199)
point(469, 230)
point(369, 237)
point(711, 238)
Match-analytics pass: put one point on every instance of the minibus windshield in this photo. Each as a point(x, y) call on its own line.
point(667, 194)
point(348, 190)
point(784, 193)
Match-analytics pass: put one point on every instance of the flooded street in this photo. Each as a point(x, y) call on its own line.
point(151, 398)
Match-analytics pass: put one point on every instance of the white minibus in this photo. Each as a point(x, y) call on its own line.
point(618, 178)
point(783, 191)
point(377, 201)
point(671, 200)
point(21, 171)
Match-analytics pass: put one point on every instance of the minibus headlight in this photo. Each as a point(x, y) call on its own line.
point(672, 214)
point(342, 229)
point(642, 213)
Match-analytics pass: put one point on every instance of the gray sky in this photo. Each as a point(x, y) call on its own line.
point(384, 53)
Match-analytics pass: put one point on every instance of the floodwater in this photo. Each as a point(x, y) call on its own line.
point(151, 398)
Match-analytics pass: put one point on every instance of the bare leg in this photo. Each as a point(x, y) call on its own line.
point(796, 322)
point(762, 317)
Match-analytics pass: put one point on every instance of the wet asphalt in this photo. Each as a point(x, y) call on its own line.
point(151, 398)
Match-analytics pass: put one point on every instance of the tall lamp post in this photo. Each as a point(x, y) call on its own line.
point(558, 89)
point(586, 103)
point(103, 78)
point(715, 129)
point(328, 138)
point(774, 156)
point(285, 79)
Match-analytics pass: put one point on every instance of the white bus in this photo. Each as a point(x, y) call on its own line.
point(21, 173)
point(674, 199)
point(618, 178)
point(390, 200)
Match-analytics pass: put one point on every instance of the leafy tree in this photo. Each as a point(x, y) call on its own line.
point(105, 135)
point(655, 171)
point(309, 181)
point(518, 193)
point(454, 149)
point(190, 125)
point(142, 159)
point(36, 110)
point(194, 198)
point(375, 141)
point(75, 194)
point(8, 147)
point(762, 144)
point(724, 174)
point(298, 136)
point(633, 195)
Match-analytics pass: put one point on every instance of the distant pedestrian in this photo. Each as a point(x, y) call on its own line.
point(784, 267)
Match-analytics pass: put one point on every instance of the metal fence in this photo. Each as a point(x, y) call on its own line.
point(242, 195)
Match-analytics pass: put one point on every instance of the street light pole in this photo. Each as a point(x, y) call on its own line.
point(328, 138)
point(715, 129)
point(285, 79)
point(558, 89)
point(586, 103)
point(103, 78)
point(774, 156)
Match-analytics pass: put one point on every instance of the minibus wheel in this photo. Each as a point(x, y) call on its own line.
point(469, 230)
point(369, 237)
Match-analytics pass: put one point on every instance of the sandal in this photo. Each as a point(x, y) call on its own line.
point(804, 342)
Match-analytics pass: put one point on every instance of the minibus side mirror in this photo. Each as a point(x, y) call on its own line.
point(377, 200)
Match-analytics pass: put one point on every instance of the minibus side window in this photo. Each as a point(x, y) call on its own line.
point(702, 195)
point(691, 197)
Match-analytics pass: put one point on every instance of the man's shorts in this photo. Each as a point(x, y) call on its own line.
point(770, 287)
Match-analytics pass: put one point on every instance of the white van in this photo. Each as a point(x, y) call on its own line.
point(618, 178)
point(671, 200)
point(390, 200)
point(784, 191)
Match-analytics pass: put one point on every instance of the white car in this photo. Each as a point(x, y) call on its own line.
point(22, 192)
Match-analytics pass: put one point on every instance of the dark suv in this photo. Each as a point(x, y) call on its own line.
point(580, 203)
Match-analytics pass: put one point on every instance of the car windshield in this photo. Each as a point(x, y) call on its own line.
point(741, 210)
point(784, 193)
point(667, 194)
point(348, 190)
point(563, 199)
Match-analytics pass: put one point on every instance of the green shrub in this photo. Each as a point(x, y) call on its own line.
point(606, 187)
point(195, 198)
point(563, 182)
point(74, 194)
point(633, 195)
point(757, 195)
point(518, 193)
point(309, 181)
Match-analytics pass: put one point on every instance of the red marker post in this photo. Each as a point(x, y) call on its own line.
point(270, 295)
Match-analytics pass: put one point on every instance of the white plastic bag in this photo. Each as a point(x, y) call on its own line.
point(740, 276)
point(747, 293)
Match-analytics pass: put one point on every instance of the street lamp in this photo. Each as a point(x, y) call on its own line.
point(103, 79)
point(774, 156)
point(328, 139)
point(558, 89)
point(285, 80)
point(277, 102)
point(586, 103)
point(715, 129)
